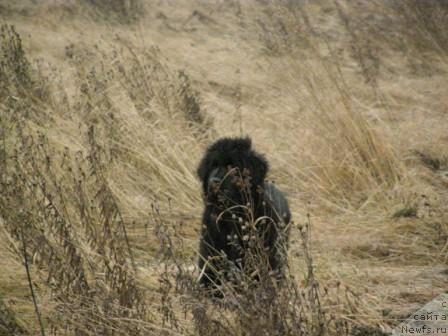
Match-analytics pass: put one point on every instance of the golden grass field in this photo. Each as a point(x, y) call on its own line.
point(107, 109)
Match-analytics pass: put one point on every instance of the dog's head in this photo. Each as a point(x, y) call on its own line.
point(230, 169)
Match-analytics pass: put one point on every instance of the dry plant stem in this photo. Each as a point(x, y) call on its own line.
point(97, 169)
point(305, 234)
point(30, 283)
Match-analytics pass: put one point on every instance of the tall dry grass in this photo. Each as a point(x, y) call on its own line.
point(99, 201)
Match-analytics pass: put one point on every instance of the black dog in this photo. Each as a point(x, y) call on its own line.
point(238, 202)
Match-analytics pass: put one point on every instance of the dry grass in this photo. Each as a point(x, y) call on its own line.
point(107, 106)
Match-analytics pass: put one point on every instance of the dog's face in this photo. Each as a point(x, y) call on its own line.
point(230, 171)
point(228, 184)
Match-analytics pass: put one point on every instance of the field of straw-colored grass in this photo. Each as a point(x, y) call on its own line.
point(106, 108)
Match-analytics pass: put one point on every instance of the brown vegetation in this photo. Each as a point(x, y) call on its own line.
point(107, 106)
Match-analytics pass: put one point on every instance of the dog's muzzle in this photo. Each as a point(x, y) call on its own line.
point(213, 185)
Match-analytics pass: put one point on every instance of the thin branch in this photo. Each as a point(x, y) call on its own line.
point(28, 274)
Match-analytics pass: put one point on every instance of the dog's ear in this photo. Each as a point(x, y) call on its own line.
point(204, 168)
point(259, 168)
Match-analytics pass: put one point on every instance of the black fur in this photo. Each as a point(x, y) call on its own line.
point(232, 176)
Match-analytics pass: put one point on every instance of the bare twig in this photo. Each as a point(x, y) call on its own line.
point(28, 274)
